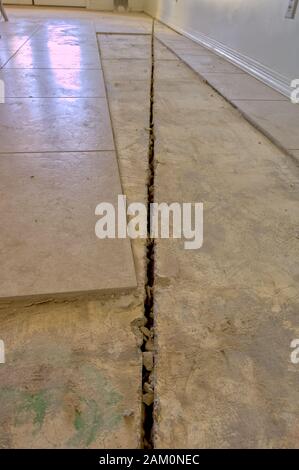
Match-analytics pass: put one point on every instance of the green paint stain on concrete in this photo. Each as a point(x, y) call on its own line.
point(79, 422)
point(38, 405)
point(24, 407)
point(90, 421)
point(98, 409)
point(33, 405)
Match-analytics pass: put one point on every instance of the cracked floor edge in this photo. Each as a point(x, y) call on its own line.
point(142, 327)
point(148, 381)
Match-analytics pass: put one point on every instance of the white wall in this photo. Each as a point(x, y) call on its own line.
point(254, 32)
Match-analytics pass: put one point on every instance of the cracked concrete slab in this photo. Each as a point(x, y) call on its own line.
point(225, 315)
point(71, 378)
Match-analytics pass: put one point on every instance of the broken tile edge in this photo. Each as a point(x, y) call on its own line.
point(69, 296)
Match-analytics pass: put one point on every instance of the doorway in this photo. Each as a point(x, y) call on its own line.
point(118, 4)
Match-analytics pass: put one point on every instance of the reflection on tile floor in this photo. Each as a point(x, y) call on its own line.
point(57, 162)
point(53, 83)
point(55, 124)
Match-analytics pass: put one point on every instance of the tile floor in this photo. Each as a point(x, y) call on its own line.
point(58, 161)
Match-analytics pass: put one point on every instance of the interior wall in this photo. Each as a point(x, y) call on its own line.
point(254, 32)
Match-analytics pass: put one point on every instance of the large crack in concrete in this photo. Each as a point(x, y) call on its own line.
point(148, 380)
point(135, 147)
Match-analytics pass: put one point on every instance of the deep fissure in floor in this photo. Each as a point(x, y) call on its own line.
point(148, 377)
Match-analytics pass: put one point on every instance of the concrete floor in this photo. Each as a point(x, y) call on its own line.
point(224, 315)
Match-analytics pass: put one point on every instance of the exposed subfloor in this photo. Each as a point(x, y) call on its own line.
point(225, 315)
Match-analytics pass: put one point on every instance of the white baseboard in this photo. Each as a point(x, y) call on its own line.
point(249, 65)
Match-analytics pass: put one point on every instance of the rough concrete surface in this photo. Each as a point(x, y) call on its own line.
point(71, 378)
point(225, 314)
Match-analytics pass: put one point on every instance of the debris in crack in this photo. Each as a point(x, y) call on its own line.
point(148, 360)
point(148, 328)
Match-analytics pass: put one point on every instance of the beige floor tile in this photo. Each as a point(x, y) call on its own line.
point(55, 124)
point(163, 53)
point(124, 109)
point(62, 57)
point(188, 47)
point(118, 69)
point(208, 63)
point(242, 87)
point(171, 94)
point(173, 70)
point(17, 30)
point(278, 119)
point(190, 51)
point(48, 241)
point(53, 83)
point(12, 44)
point(124, 46)
point(181, 41)
point(5, 55)
point(137, 24)
point(44, 39)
